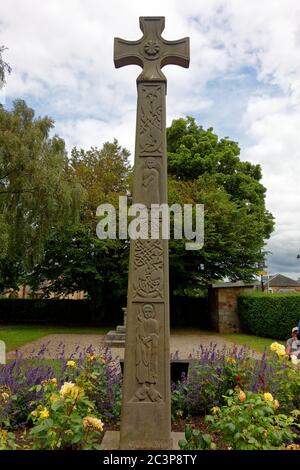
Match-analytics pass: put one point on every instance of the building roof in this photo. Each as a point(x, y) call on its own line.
point(235, 284)
point(279, 280)
point(284, 290)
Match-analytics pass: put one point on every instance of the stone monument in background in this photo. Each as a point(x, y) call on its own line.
point(146, 409)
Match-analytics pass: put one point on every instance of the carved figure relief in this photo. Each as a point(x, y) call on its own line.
point(147, 337)
point(151, 120)
point(150, 182)
point(148, 269)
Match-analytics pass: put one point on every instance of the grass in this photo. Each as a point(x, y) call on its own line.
point(254, 342)
point(16, 336)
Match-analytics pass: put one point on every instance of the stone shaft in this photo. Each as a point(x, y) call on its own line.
point(146, 410)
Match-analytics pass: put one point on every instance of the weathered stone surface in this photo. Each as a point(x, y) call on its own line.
point(223, 305)
point(111, 440)
point(116, 338)
point(146, 410)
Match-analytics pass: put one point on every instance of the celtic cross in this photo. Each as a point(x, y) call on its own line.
point(146, 410)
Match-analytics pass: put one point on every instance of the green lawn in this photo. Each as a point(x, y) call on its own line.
point(254, 342)
point(15, 336)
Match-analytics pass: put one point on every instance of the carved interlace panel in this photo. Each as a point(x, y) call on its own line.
point(150, 123)
point(148, 269)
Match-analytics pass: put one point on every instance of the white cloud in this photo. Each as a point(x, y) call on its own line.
point(273, 124)
point(81, 133)
point(61, 52)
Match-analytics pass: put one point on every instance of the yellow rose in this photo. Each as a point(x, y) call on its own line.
point(3, 434)
point(70, 390)
point(4, 389)
point(276, 404)
point(71, 364)
point(66, 389)
point(295, 361)
point(230, 360)
point(293, 447)
point(281, 353)
point(278, 348)
point(4, 396)
point(242, 395)
point(49, 382)
point(91, 357)
point(215, 410)
point(89, 422)
point(44, 414)
point(268, 396)
point(54, 397)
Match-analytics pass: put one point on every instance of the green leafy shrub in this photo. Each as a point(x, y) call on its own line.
point(65, 419)
point(249, 421)
point(7, 440)
point(196, 440)
point(47, 312)
point(99, 376)
point(210, 376)
point(285, 379)
point(271, 315)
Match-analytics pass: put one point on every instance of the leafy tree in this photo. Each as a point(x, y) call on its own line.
point(79, 261)
point(104, 175)
point(76, 260)
point(38, 189)
point(205, 169)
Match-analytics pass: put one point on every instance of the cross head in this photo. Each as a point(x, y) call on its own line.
point(151, 52)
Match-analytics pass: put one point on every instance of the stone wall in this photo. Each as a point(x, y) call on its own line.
point(223, 306)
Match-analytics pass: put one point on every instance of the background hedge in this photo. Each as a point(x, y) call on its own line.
point(185, 312)
point(269, 315)
point(54, 312)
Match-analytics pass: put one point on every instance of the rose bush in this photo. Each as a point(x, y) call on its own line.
point(65, 419)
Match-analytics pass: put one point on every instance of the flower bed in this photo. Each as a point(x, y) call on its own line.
point(258, 411)
point(60, 405)
point(235, 400)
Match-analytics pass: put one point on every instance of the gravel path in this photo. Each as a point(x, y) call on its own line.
point(184, 341)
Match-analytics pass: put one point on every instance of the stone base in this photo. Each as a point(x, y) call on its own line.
point(114, 344)
point(111, 440)
point(121, 329)
point(115, 339)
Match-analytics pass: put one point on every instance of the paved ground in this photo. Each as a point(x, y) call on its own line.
point(185, 342)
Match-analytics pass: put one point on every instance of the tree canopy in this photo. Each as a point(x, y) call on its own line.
point(48, 208)
point(38, 188)
point(205, 169)
point(103, 173)
point(75, 259)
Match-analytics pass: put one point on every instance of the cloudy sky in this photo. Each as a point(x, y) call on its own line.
point(244, 81)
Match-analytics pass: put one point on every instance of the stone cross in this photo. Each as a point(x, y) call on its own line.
point(146, 410)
